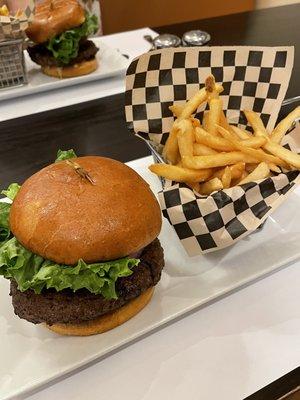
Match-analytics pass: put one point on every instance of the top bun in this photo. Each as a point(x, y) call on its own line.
point(63, 217)
point(53, 17)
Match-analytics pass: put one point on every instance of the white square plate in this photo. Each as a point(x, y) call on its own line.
point(32, 356)
point(111, 62)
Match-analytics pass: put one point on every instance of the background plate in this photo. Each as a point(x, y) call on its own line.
point(34, 356)
point(111, 62)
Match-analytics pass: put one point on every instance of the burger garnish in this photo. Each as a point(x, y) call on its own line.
point(104, 256)
point(60, 30)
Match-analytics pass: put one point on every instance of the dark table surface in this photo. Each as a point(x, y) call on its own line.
point(98, 127)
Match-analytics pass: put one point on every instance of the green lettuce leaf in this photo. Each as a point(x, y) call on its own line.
point(33, 272)
point(4, 222)
point(65, 155)
point(11, 191)
point(64, 47)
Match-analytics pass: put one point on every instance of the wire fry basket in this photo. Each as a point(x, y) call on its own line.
point(12, 64)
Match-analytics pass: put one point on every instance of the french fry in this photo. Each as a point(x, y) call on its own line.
point(250, 167)
point(237, 170)
point(215, 109)
point(254, 142)
point(200, 97)
point(211, 186)
point(20, 13)
point(217, 160)
point(273, 167)
point(223, 122)
point(255, 121)
point(224, 144)
point(242, 134)
point(176, 109)
point(205, 119)
point(4, 11)
point(211, 89)
point(244, 175)
point(192, 105)
point(196, 122)
point(194, 185)
point(258, 154)
point(281, 129)
point(202, 150)
point(262, 171)
point(179, 174)
point(211, 141)
point(286, 155)
point(185, 138)
point(217, 155)
point(171, 150)
point(226, 178)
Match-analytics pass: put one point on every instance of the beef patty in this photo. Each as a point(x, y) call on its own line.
point(42, 56)
point(69, 307)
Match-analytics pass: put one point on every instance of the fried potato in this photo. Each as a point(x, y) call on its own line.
point(4, 11)
point(216, 155)
point(171, 150)
point(255, 121)
point(180, 174)
point(196, 122)
point(286, 155)
point(241, 133)
point(176, 109)
point(211, 88)
point(262, 171)
point(217, 160)
point(205, 119)
point(223, 144)
point(258, 154)
point(226, 178)
point(186, 138)
point(282, 127)
point(198, 98)
point(214, 113)
point(211, 186)
point(237, 170)
point(194, 185)
point(202, 150)
point(214, 142)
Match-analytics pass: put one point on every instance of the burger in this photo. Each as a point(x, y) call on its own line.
point(79, 245)
point(60, 29)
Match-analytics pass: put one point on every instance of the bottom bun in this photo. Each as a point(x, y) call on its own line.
point(83, 68)
point(105, 322)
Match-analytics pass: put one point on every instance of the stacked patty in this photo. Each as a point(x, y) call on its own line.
point(42, 56)
point(68, 307)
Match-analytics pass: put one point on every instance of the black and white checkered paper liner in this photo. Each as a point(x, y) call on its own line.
point(11, 27)
point(254, 78)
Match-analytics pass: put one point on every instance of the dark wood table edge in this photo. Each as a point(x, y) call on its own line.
point(279, 389)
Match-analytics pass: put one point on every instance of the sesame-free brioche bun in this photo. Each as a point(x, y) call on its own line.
point(107, 321)
point(63, 217)
point(83, 68)
point(53, 17)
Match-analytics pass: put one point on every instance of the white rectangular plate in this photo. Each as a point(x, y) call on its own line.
point(111, 62)
point(32, 356)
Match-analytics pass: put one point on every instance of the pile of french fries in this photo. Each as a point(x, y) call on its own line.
point(4, 12)
point(213, 154)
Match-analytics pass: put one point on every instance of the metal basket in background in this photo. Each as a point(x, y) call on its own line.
point(12, 64)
